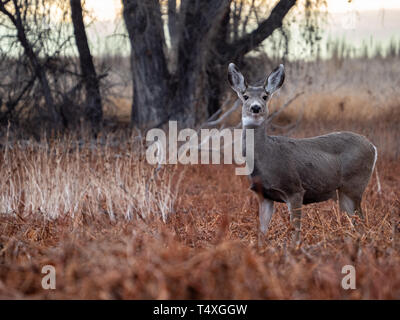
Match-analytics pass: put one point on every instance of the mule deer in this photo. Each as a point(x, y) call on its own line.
point(300, 171)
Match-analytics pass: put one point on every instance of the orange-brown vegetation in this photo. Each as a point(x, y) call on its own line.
point(114, 228)
point(95, 212)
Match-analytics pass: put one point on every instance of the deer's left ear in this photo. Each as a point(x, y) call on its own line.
point(275, 79)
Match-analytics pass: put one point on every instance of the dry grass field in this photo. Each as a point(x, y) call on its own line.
point(114, 229)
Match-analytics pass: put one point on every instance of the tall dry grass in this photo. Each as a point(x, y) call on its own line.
point(71, 176)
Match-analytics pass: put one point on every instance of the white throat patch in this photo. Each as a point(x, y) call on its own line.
point(251, 121)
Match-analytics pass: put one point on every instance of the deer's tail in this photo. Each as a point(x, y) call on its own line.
point(374, 167)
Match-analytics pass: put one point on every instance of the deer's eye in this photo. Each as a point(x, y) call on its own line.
point(245, 97)
point(265, 97)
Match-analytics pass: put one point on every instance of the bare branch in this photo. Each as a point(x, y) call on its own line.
point(246, 20)
point(264, 30)
point(224, 116)
point(281, 109)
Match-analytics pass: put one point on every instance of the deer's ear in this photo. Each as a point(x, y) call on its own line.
point(275, 79)
point(236, 79)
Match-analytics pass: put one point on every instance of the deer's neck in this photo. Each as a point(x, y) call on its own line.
point(260, 132)
point(260, 137)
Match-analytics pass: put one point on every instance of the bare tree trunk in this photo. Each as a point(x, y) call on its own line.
point(216, 65)
point(149, 67)
point(200, 21)
point(93, 109)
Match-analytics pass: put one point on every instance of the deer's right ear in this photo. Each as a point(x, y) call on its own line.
point(236, 79)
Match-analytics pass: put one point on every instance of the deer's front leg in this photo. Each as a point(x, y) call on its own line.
point(266, 209)
point(295, 203)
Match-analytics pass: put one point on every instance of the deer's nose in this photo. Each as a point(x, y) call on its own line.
point(255, 108)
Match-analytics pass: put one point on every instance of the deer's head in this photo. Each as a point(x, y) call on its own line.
point(255, 98)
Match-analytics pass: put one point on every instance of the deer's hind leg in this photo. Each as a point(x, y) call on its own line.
point(350, 202)
point(352, 190)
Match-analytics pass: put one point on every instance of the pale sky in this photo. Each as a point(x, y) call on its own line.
point(105, 10)
point(361, 5)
